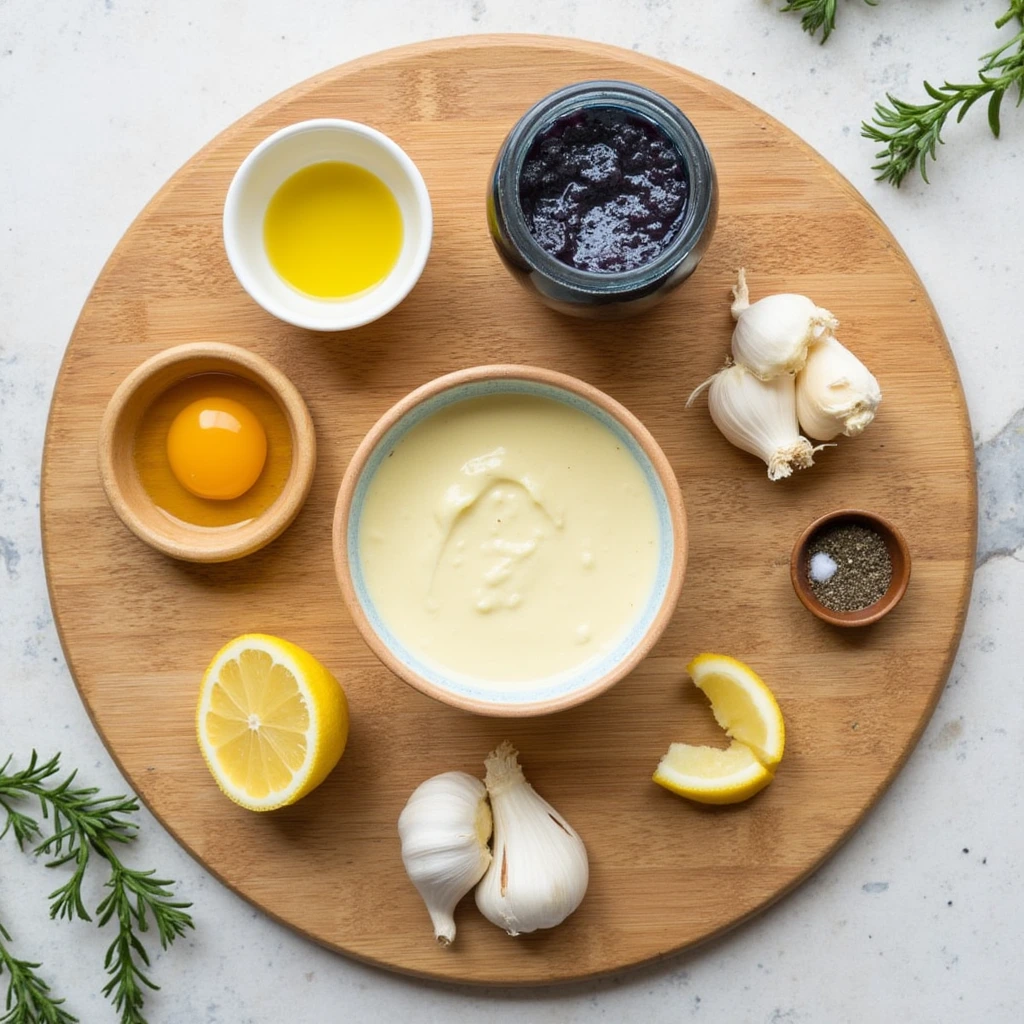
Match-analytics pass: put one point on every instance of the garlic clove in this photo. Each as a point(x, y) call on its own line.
point(444, 828)
point(835, 392)
point(772, 335)
point(759, 417)
point(540, 871)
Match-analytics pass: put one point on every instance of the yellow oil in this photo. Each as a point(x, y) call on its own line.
point(333, 230)
point(154, 467)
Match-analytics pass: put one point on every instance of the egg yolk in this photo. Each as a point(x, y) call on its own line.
point(217, 448)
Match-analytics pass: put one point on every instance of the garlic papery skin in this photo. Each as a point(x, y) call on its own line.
point(540, 871)
point(835, 392)
point(759, 417)
point(444, 828)
point(772, 335)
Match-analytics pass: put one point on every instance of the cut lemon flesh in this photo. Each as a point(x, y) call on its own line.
point(272, 721)
point(742, 704)
point(712, 776)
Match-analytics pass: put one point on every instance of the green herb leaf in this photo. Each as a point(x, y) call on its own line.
point(818, 14)
point(85, 823)
point(911, 133)
point(29, 1000)
point(993, 111)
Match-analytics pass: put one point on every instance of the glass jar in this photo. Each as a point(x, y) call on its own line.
point(586, 293)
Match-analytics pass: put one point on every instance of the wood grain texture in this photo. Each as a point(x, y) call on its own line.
point(138, 628)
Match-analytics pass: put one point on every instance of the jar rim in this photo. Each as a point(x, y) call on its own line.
point(645, 104)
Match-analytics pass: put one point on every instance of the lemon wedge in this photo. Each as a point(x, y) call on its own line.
point(712, 776)
point(272, 721)
point(748, 712)
point(742, 704)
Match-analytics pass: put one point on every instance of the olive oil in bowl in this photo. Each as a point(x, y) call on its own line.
point(333, 230)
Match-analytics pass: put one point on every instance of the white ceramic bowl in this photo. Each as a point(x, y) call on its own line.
point(269, 165)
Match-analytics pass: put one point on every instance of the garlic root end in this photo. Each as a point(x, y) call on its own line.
point(799, 455)
point(444, 928)
point(823, 321)
point(856, 422)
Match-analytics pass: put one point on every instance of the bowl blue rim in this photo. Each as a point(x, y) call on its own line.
point(516, 695)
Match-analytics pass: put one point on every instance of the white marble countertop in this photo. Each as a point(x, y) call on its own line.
point(917, 918)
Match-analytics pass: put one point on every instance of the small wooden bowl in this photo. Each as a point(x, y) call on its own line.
point(540, 698)
point(117, 464)
point(899, 554)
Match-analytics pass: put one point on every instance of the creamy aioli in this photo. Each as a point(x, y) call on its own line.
point(509, 538)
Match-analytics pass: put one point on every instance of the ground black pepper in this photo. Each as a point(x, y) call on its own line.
point(863, 567)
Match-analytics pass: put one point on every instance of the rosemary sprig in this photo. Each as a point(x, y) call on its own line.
point(28, 997)
point(132, 894)
point(818, 14)
point(912, 133)
point(86, 823)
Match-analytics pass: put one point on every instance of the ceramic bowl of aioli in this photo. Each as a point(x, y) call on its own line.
point(547, 692)
point(275, 160)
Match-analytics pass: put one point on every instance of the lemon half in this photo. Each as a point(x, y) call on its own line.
point(272, 721)
point(748, 712)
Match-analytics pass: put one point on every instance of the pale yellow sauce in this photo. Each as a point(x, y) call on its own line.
point(509, 538)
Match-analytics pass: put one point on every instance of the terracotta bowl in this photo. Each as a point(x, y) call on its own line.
point(117, 464)
point(544, 695)
point(899, 554)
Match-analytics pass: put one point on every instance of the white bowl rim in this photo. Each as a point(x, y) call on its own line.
point(239, 263)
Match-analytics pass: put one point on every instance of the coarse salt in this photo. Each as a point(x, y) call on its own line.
point(822, 568)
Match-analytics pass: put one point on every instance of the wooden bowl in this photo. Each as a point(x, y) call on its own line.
point(899, 554)
point(117, 464)
point(533, 698)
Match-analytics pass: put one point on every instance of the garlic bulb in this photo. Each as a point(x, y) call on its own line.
point(835, 392)
point(772, 335)
point(759, 417)
point(444, 828)
point(540, 871)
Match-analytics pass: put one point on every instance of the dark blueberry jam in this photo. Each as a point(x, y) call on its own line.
point(603, 190)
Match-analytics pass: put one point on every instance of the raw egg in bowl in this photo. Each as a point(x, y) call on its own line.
point(216, 446)
point(206, 452)
point(510, 540)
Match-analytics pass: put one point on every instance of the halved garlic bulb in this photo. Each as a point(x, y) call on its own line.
point(444, 829)
point(540, 871)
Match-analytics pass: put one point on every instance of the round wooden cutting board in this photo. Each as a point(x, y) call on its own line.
point(139, 629)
